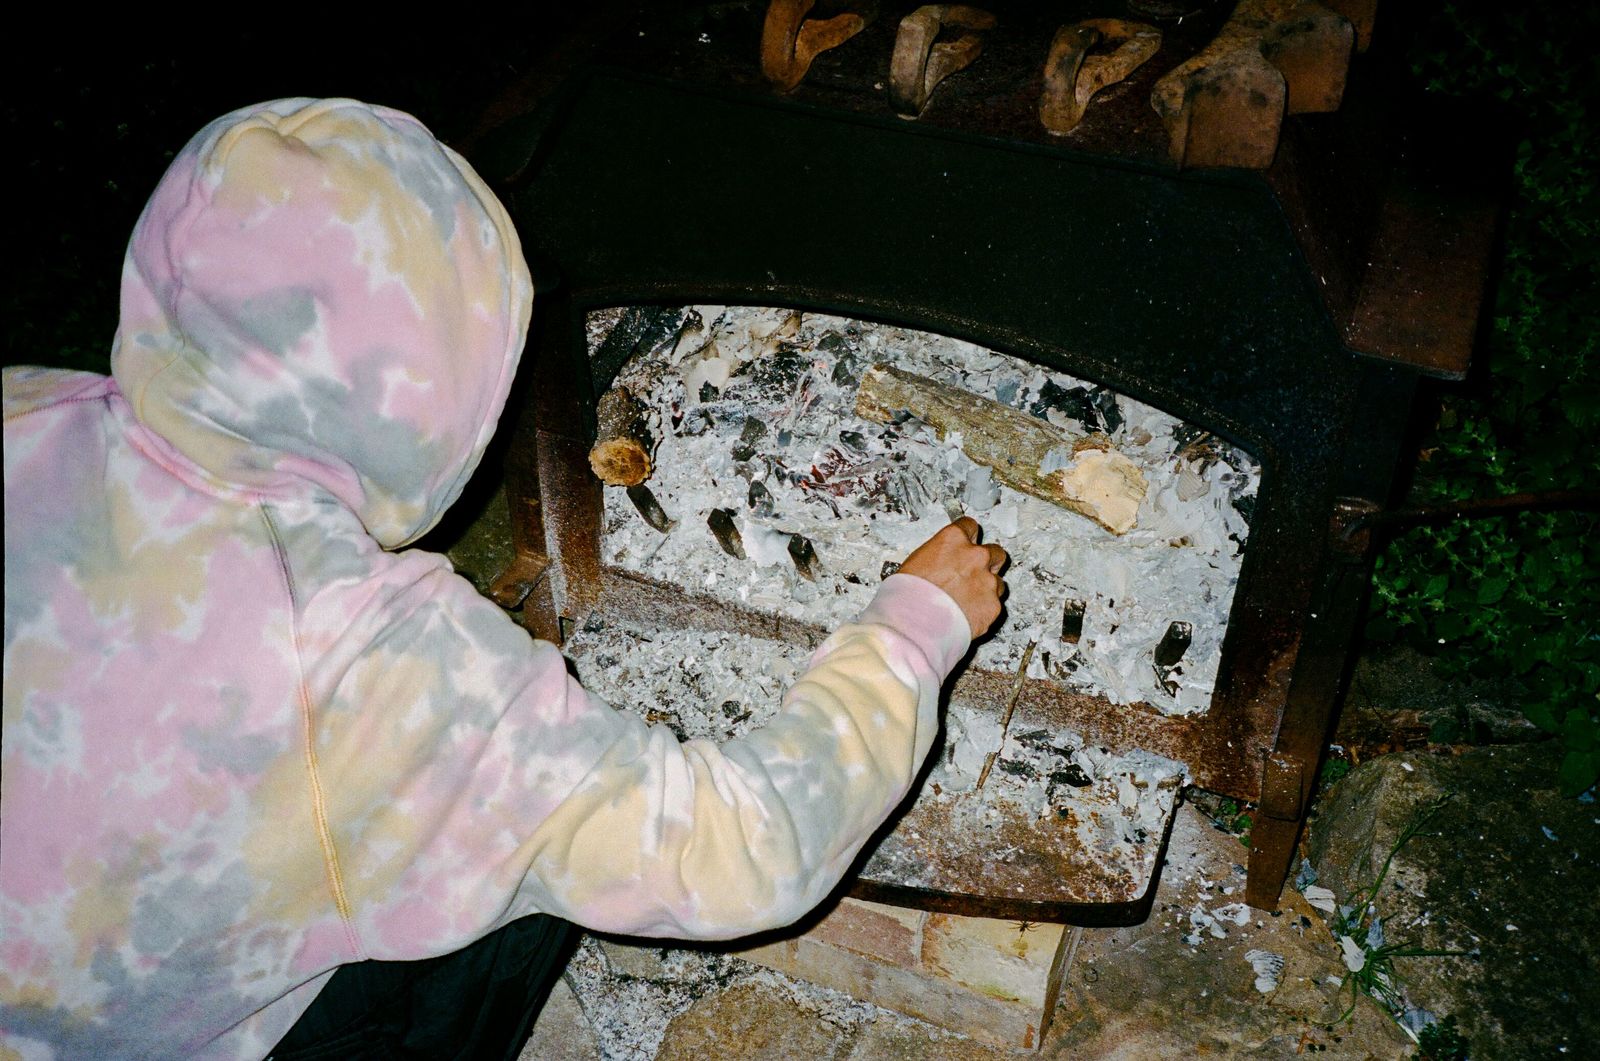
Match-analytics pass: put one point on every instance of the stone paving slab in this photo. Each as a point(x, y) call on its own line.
point(1172, 987)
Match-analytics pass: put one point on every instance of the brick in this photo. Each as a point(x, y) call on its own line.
point(890, 934)
point(983, 978)
point(1003, 959)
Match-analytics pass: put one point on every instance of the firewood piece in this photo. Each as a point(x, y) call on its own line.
point(1072, 76)
point(1224, 106)
point(919, 64)
point(1082, 474)
point(621, 452)
point(790, 40)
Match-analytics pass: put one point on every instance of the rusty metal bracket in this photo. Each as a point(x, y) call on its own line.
point(1224, 105)
point(1283, 787)
point(1072, 76)
point(919, 64)
point(790, 40)
point(512, 586)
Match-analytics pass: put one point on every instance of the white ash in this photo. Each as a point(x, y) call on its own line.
point(1321, 898)
point(754, 412)
point(1268, 968)
point(720, 686)
point(702, 685)
point(630, 1013)
point(1214, 921)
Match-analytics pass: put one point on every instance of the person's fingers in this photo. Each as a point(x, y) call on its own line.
point(969, 528)
point(998, 558)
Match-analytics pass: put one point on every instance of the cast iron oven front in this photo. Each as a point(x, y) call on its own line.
point(1184, 290)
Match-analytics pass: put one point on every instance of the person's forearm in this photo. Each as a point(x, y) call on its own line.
point(706, 841)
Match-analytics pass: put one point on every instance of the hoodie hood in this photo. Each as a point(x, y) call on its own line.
point(321, 295)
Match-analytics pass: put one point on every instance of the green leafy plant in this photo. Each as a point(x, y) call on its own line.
point(1441, 1041)
point(1511, 597)
point(1368, 956)
point(1333, 769)
point(1234, 818)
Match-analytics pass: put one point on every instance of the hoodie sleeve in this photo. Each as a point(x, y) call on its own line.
point(470, 780)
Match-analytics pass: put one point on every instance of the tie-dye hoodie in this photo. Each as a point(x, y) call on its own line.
point(245, 740)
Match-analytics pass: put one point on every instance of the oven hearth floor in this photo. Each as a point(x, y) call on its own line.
point(1057, 824)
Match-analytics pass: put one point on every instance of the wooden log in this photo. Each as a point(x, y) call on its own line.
point(621, 452)
point(1080, 473)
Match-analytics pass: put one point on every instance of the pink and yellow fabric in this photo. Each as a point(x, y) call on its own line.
point(245, 740)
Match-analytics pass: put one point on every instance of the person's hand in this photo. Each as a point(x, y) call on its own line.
point(955, 562)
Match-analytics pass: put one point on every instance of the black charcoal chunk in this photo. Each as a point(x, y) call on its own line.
point(774, 377)
point(1174, 643)
point(726, 532)
point(749, 435)
point(1072, 620)
point(1093, 410)
point(650, 508)
point(1246, 507)
point(1071, 774)
point(804, 555)
point(759, 498)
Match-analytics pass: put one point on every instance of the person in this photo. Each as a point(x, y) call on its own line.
point(252, 741)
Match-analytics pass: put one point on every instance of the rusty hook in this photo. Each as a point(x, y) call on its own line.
point(1072, 76)
point(919, 64)
point(789, 40)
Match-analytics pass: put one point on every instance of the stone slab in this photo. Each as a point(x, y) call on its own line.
point(991, 980)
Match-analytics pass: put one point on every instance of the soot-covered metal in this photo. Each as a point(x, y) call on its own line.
point(1257, 306)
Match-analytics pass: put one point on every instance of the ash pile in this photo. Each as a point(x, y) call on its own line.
point(1048, 804)
point(770, 491)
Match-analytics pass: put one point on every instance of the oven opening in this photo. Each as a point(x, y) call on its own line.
point(790, 458)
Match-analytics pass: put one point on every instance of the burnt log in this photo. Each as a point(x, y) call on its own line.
point(621, 452)
point(1081, 474)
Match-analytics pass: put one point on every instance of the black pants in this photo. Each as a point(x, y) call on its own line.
point(476, 1003)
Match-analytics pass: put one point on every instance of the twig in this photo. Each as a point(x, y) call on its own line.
point(1011, 706)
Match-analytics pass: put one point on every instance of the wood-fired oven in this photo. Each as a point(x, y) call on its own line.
point(1286, 311)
